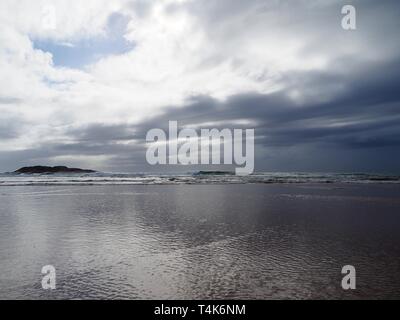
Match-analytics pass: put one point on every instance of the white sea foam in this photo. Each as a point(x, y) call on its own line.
point(192, 178)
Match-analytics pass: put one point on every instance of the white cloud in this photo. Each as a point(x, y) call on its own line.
point(182, 48)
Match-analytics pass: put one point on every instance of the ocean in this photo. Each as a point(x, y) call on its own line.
point(212, 177)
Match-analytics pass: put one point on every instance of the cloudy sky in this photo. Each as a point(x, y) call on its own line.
point(81, 82)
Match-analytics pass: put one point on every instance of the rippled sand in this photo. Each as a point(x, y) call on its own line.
point(200, 241)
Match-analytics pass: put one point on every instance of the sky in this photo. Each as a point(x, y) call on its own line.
point(82, 82)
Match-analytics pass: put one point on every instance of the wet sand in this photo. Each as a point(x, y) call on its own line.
point(253, 241)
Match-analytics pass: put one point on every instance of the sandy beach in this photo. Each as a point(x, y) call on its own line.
point(245, 241)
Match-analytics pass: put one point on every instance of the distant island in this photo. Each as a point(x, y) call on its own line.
point(51, 170)
point(213, 173)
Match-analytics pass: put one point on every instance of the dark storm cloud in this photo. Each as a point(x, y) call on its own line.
point(123, 157)
point(359, 111)
point(102, 132)
point(366, 103)
point(10, 127)
point(345, 115)
point(8, 131)
point(339, 115)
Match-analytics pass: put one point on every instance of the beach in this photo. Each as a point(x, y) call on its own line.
point(200, 241)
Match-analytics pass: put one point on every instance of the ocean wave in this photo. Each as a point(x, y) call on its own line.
point(201, 177)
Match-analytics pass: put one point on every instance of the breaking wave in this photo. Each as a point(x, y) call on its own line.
point(201, 177)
